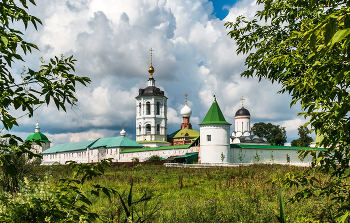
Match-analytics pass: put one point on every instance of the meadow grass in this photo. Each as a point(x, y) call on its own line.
point(219, 194)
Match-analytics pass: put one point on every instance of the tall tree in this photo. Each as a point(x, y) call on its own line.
point(304, 138)
point(305, 46)
point(274, 134)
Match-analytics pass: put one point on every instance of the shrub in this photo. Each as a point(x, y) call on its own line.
point(154, 158)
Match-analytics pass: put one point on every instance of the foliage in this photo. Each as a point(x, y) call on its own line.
point(66, 202)
point(15, 167)
point(257, 157)
point(135, 160)
point(274, 134)
point(304, 138)
point(154, 158)
point(305, 46)
point(222, 157)
point(241, 155)
point(135, 215)
point(53, 82)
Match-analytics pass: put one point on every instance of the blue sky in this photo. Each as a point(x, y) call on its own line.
point(221, 8)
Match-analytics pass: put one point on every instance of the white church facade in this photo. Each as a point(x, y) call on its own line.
point(214, 143)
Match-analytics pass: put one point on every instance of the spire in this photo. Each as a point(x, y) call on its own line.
point(122, 133)
point(37, 129)
point(186, 99)
point(214, 115)
point(242, 101)
point(151, 69)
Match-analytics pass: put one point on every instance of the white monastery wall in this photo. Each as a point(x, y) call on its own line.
point(279, 155)
point(96, 155)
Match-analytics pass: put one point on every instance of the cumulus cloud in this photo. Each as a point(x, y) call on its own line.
point(110, 40)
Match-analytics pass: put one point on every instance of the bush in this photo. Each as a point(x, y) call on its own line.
point(135, 160)
point(154, 158)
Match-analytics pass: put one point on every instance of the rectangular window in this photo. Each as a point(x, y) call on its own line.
point(208, 137)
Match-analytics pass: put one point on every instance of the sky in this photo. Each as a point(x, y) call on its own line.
point(110, 40)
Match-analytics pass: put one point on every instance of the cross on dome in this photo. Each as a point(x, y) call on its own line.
point(242, 101)
point(186, 99)
point(151, 69)
point(122, 133)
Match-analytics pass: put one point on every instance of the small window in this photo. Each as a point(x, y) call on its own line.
point(140, 108)
point(208, 138)
point(158, 129)
point(158, 108)
point(148, 129)
point(139, 129)
point(148, 108)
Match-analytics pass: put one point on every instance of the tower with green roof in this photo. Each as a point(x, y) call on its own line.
point(37, 135)
point(214, 136)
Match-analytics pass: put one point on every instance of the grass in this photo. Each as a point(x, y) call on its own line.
point(219, 194)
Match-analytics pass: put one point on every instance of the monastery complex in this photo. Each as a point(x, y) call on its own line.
point(214, 143)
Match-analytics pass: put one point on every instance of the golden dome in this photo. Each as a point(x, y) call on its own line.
point(151, 70)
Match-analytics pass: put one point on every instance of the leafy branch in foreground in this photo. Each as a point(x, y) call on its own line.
point(305, 46)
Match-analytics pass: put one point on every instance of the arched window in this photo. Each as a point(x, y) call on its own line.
point(139, 129)
point(140, 108)
point(158, 129)
point(158, 108)
point(242, 127)
point(186, 134)
point(148, 108)
point(148, 129)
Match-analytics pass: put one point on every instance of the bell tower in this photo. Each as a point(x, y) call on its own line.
point(151, 113)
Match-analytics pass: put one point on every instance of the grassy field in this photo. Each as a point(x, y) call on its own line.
point(203, 195)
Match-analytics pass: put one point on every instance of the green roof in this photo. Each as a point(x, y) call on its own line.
point(173, 134)
point(37, 136)
point(152, 141)
point(214, 115)
point(187, 155)
point(191, 133)
point(270, 147)
point(72, 146)
point(119, 141)
point(156, 148)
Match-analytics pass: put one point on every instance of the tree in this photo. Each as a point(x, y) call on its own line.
point(304, 138)
point(274, 134)
point(53, 82)
point(305, 46)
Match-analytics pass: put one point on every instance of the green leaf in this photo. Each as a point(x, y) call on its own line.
point(340, 35)
point(4, 40)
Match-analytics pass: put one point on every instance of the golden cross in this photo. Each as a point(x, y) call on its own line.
point(123, 125)
point(151, 55)
point(186, 98)
point(242, 101)
point(37, 118)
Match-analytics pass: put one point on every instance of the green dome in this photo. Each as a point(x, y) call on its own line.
point(37, 136)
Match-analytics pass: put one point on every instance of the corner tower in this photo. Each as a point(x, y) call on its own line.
point(215, 136)
point(151, 114)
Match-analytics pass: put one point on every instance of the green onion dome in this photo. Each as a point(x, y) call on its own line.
point(37, 136)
